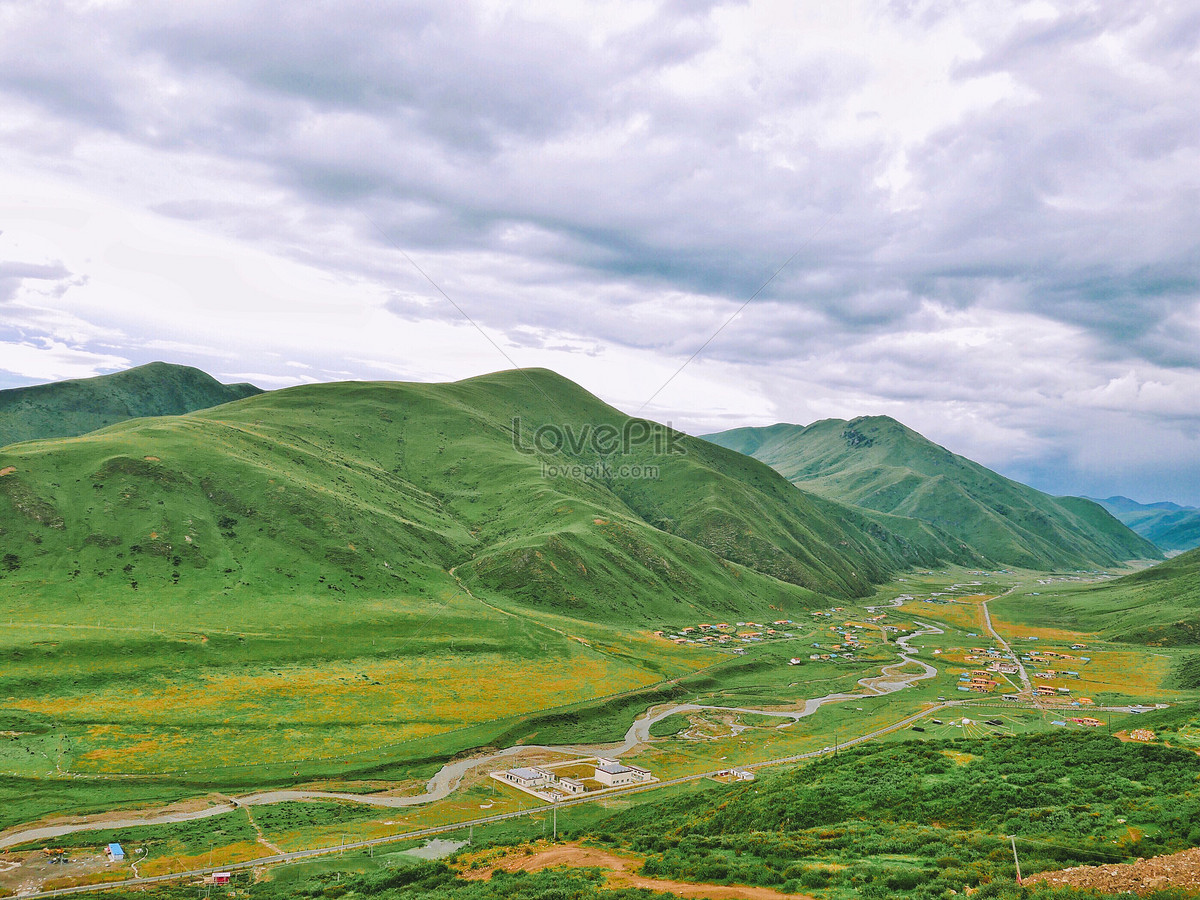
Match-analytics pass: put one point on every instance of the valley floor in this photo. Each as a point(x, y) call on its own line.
point(934, 655)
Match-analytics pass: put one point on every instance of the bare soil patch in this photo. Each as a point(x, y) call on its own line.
point(409, 788)
point(1178, 870)
point(29, 870)
point(7, 470)
point(622, 872)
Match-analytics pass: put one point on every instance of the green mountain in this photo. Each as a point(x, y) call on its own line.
point(1167, 525)
point(70, 408)
point(370, 489)
point(878, 464)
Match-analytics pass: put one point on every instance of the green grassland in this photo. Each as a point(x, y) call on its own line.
point(217, 723)
point(905, 819)
point(308, 681)
point(1158, 606)
point(70, 408)
point(359, 582)
point(876, 853)
point(876, 463)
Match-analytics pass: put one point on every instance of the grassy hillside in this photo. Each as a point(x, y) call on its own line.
point(360, 488)
point(1159, 606)
point(70, 408)
point(878, 464)
point(1166, 525)
point(258, 581)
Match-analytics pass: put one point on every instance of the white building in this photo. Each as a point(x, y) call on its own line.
point(615, 774)
point(570, 785)
point(528, 777)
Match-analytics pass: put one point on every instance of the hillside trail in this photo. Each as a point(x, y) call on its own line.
point(448, 778)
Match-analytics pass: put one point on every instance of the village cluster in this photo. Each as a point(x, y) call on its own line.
point(1001, 666)
point(727, 633)
point(1047, 657)
point(985, 681)
point(848, 643)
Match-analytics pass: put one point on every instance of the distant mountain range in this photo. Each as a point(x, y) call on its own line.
point(1168, 525)
point(877, 463)
point(70, 408)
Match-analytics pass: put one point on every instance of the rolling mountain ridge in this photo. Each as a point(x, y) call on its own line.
point(877, 463)
point(375, 488)
point(1167, 525)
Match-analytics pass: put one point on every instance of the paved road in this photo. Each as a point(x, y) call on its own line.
point(987, 620)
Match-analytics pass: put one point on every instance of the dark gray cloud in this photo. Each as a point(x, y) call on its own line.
point(991, 213)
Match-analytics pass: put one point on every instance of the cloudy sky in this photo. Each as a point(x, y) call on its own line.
point(989, 214)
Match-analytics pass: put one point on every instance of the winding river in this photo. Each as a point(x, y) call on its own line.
point(889, 680)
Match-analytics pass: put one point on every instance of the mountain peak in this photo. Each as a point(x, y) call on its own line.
point(79, 405)
point(880, 464)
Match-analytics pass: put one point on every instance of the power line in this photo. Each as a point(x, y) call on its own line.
point(462, 312)
point(1073, 848)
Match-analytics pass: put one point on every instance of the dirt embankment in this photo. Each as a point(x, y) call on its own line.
point(1179, 870)
point(622, 872)
point(56, 826)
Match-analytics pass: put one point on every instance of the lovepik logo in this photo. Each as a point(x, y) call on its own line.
point(602, 440)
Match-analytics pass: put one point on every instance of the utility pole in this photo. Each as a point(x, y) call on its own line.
point(556, 824)
point(1016, 861)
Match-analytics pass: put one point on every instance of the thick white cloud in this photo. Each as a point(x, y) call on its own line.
point(993, 214)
